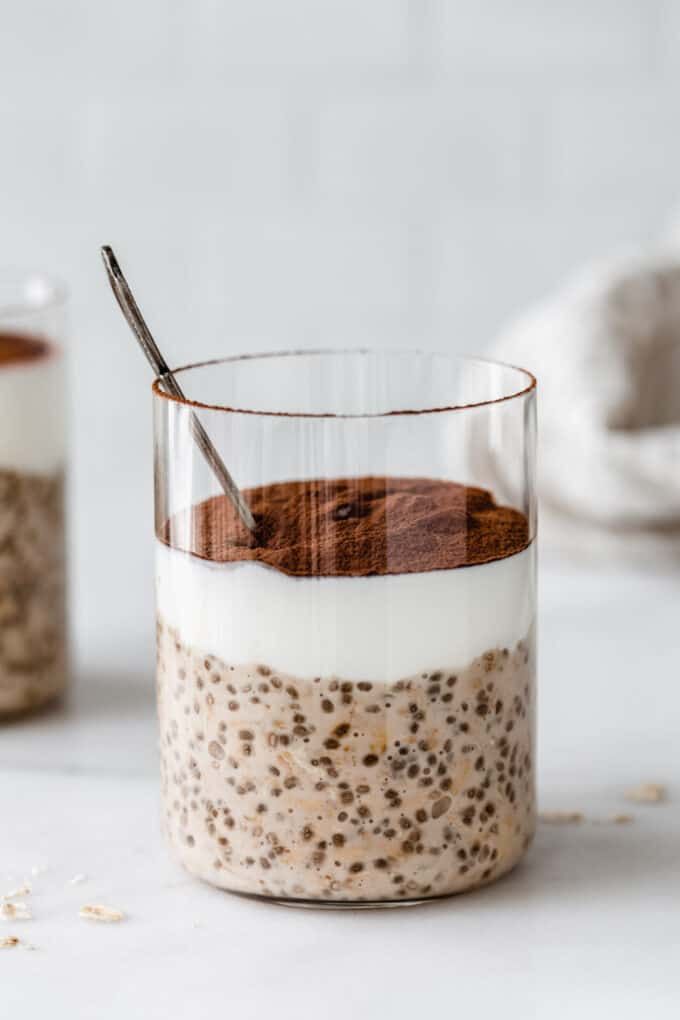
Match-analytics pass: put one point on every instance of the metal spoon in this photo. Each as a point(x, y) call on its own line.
point(136, 322)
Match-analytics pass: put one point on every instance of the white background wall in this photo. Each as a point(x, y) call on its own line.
point(277, 172)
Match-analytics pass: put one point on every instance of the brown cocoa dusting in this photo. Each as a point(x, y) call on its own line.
point(18, 347)
point(354, 527)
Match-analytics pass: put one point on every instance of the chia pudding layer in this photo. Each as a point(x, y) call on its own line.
point(349, 718)
point(33, 642)
point(331, 789)
point(33, 653)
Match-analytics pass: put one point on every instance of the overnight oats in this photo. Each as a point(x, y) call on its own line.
point(33, 643)
point(346, 696)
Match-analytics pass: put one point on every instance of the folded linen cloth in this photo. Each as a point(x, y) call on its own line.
point(606, 352)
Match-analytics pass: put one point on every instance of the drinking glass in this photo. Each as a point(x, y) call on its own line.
point(346, 693)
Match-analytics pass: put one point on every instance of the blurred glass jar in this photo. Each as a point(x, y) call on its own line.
point(33, 625)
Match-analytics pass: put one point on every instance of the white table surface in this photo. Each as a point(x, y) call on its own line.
point(589, 926)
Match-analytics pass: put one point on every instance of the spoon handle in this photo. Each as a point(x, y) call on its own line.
point(135, 321)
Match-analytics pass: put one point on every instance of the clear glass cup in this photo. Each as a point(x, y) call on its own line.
point(33, 626)
point(346, 698)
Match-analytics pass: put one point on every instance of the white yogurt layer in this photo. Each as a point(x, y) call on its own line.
point(32, 415)
point(365, 628)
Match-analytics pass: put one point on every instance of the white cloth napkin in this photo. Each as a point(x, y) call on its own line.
point(606, 352)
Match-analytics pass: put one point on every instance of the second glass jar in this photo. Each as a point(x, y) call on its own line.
point(33, 625)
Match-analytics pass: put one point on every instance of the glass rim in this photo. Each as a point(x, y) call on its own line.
point(56, 293)
point(529, 379)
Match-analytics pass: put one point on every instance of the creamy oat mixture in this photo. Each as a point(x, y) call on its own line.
point(318, 788)
point(33, 653)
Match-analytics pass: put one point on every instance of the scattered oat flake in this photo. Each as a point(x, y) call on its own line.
point(77, 880)
point(617, 819)
point(16, 894)
point(100, 913)
point(646, 793)
point(9, 942)
point(14, 912)
point(561, 817)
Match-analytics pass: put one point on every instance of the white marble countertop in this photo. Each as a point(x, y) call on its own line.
point(589, 926)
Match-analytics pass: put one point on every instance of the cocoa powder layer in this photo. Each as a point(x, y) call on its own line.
point(354, 527)
point(18, 347)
